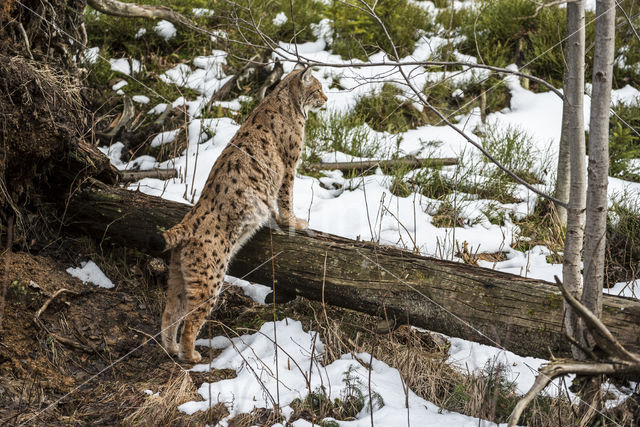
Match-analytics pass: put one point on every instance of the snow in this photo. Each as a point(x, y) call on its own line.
point(141, 32)
point(299, 369)
point(91, 55)
point(125, 65)
point(119, 85)
point(165, 29)
point(89, 272)
point(198, 11)
point(280, 19)
point(625, 289)
point(141, 99)
point(164, 137)
point(255, 291)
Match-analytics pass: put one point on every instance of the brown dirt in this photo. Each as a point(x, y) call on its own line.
point(45, 381)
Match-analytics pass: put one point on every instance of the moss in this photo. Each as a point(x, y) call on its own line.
point(554, 300)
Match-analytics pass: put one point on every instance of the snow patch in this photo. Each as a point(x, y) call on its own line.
point(89, 272)
point(165, 29)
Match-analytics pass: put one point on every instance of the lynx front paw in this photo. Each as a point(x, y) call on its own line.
point(293, 222)
point(300, 224)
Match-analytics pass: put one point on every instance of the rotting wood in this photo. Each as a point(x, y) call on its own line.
point(408, 162)
point(482, 305)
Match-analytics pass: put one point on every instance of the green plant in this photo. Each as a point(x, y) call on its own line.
point(528, 38)
point(624, 142)
point(388, 111)
point(357, 35)
point(338, 132)
point(623, 239)
point(353, 399)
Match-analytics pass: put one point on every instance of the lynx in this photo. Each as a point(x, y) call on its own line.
point(251, 180)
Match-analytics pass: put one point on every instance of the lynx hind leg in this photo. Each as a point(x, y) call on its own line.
point(203, 272)
point(175, 306)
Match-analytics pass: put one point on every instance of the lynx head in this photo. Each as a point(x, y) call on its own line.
point(308, 90)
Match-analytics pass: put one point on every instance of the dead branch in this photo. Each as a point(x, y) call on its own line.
point(132, 10)
point(408, 162)
point(59, 338)
point(132, 176)
point(127, 115)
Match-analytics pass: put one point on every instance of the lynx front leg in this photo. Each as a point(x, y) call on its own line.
point(285, 204)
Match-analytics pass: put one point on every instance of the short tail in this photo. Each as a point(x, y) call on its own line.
point(169, 239)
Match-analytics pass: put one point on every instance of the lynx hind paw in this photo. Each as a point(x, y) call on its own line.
point(193, 357)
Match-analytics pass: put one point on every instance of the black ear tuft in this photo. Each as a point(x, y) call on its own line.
point(157, 243)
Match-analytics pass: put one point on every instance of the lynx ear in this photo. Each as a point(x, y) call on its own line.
point(299, 66)
point(306, 75)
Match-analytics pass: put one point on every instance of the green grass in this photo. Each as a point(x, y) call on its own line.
point(357, 35)
point(338, 132)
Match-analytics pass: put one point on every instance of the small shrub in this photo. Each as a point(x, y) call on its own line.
point(358, 35)
point(623, 240)
point(387, 111)
point(353, 399)
point(624, 142)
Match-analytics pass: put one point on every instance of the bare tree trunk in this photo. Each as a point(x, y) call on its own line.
point(574, 93)
point(564, 166)
point(563, 175)
point(594, 243)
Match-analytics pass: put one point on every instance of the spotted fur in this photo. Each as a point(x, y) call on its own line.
point(251, 180)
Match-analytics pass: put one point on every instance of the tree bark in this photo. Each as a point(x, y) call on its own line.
point(519, 314)
point(595, 233)
point(574, 94)
point(563, 175)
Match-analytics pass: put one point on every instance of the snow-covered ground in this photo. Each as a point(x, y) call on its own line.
point(364, 208)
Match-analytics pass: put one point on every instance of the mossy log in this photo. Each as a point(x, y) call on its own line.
point(478, 304)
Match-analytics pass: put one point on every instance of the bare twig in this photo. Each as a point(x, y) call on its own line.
point(62, 340)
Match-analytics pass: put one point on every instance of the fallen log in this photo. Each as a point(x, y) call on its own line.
point(519, 314)
point(408, 162)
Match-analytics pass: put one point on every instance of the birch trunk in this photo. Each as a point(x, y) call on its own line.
point(595, 233)
point(564, 167)
point(573, 108)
